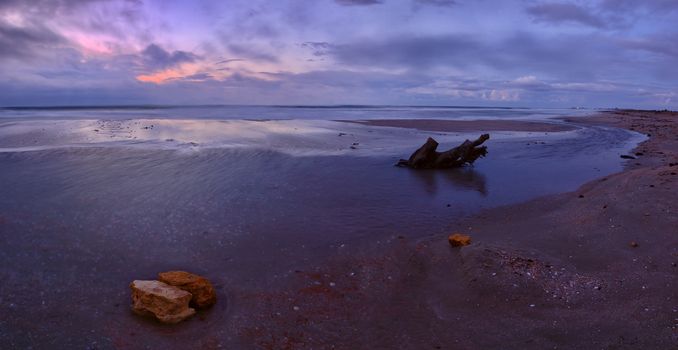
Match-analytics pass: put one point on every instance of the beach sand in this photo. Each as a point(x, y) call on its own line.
point(594, 268)
point(560, 271)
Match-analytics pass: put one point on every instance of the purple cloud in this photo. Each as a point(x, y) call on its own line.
point(440, 3)
point(358, 2)
point(565, 13)
point(155, 57)
point(633, 5)
point(24, 42)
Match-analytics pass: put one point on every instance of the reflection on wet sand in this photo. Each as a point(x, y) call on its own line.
point(466, 178)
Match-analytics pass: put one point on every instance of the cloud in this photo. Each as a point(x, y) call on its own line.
point(251, 53)
point(665, 44)
point(530, 88)
point(358, 2)
point(575, 56)
point(633, 5)
point(409, 51)
point(440, 3)
point(318, 48)
point(155, 57)
point(565, 13)
point(226, 61)
point(467, 89)
point(23, 42)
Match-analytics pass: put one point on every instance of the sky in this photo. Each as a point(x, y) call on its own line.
point(530, 53)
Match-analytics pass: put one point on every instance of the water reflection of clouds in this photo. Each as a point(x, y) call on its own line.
point(291, 136)
point(210, 130)
point(200, 130)
point(279, 134)
point(466, 178)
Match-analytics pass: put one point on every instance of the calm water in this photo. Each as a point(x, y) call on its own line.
point(83, 212)
point(285, 112)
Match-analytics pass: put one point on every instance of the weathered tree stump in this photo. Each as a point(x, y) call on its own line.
point(426, 157)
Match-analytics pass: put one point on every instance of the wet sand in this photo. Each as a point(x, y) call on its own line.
point(555, 272)
point(467, 125)
point(594, 268)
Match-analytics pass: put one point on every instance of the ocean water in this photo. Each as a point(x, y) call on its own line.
point(227, 112)
point(93, 198)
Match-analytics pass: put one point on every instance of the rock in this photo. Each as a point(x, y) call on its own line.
point(200, 287)
point(166, 303)
point(633, 244)
point(458, 240)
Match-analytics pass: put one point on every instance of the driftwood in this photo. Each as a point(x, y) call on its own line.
point(426, 157)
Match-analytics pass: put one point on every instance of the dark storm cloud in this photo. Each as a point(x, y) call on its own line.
point(357, 2)
point(565, 13)
point(155, 57)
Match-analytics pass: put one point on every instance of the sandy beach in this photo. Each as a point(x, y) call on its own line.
point(92, 205)
point(593, 268)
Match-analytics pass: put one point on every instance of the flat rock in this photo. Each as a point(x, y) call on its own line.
point(200, 287)
point(166, 303)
